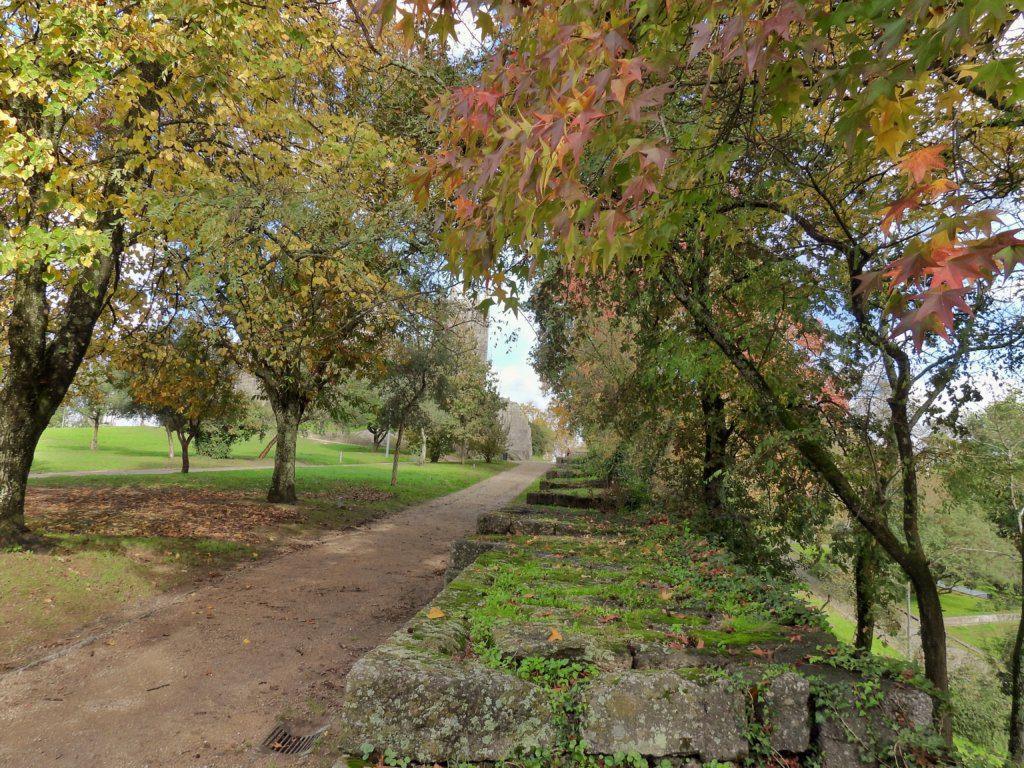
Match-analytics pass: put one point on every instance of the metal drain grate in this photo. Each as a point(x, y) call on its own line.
point(291, 739)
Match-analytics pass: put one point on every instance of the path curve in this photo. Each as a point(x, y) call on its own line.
point(199, 682)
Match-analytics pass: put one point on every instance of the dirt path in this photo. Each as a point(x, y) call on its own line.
point(199, 682)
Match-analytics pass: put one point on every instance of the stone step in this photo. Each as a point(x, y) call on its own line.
point(554, 499)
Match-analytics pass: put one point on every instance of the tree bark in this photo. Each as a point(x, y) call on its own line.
point(716, 460)
point(423, 445)
point(288, 414)
point(18, 440)
point(1017, 686)
point(170, 442)
point(184, 440)
point(43, 359)
point(95, 431)
point(394, 461)
point(865, 588)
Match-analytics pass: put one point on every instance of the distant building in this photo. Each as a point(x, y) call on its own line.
point(520, 438)
point(513, 416)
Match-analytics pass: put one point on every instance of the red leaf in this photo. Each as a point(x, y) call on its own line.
point(934, 313)
point(894, 213)
point(868, 282)
point(910, 267)
point(918, 164)
point(701, 38)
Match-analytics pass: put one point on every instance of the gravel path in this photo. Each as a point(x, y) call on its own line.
point(198, 682)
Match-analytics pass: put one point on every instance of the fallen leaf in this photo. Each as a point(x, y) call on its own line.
point(435, 613)
point(555, 636)
point(245, 641)
point(665, 593)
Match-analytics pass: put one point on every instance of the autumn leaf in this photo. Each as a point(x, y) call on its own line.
point(435, 613)
point(555, 636)
point(934, 313)
point(665, 593)
point(919, 163)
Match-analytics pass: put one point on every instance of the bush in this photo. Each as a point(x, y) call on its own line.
point(981, 711)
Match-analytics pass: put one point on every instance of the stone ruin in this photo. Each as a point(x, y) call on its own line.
point(427, 696)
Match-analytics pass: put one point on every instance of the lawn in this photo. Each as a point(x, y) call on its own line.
point(119, 538)
point(843, 628)
point(990, 638)
point(954, 604)
point(66, 449)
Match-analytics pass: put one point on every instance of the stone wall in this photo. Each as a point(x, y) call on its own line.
point(520, 441)
point(566, 633)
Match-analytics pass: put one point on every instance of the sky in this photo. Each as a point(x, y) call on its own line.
point(511, 339)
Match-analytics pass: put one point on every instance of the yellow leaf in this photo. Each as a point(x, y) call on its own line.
point(435, 613)
point(555, 636)
point(245, 641)
point(665, 593)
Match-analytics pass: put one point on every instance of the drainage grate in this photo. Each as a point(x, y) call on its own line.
point(292, 739)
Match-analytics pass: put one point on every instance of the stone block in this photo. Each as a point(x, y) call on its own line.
point(432, 709)
point(853, 736)
point(660, 714)
point(519, 641)
point(494, 524)
point(554, 499)
point(788, 712)
point(464, 552)
point(658, 656)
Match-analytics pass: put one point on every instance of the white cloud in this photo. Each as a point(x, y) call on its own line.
point(511, 339)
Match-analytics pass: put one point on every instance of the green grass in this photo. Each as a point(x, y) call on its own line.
point(67, 450)
point(45, 596)
point(990, 638)
point(415, 482)
point(844, 629)
point(954, 604)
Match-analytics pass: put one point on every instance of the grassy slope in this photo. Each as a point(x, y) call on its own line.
point(67, 450)
point(45, 596)
point(986, 637)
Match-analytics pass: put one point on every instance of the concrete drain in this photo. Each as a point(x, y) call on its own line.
point(294, 739)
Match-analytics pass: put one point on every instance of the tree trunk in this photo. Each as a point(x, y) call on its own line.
point(423, 445)
point(42, 361)
point(909, 554)
point(95, 431)
point(716, 460)
point(18, 440)
point(394, 461)
point(170, 442)
point(184, 440)
point(288, 413)
point(1017, 686)
point(865, 587)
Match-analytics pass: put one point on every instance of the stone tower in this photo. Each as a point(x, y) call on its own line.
point(477, 326)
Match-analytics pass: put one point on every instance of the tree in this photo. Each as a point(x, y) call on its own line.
point(441, 432)
point(492, 439)
point(420, 365)
point(669, 135)
point(303, 261)
point(542, 437)
point(97, 391)
point(987, 472)
point(102, 107)
point(185, 380)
